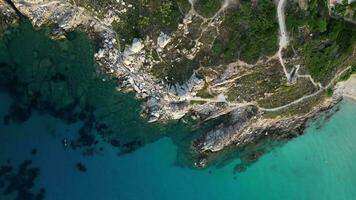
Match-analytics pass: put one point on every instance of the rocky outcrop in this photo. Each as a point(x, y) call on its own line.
point(225, 133)
point(124, 63)
point(67, 17)
point(239, 123)
point(7, 14)
point(247, 127)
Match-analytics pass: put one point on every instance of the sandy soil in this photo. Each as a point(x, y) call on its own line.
point(347, 88)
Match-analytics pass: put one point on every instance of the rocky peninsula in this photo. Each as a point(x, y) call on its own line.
point(249, 72)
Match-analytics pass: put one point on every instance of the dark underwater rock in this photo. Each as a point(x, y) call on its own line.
point(81, 167)
point(129, 147)
point(6, 120)
point(60, 79)
point(115, 142)
point(34, 151)
point(19, 114)
point(20, 183)
point(5, 169)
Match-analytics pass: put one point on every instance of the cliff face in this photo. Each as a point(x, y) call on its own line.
point(225, 62)
point(249, 132)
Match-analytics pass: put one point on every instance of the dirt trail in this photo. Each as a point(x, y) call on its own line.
point(283, 36)
point(331, 83)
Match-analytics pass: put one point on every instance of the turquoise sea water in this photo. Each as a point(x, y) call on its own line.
point(318, 165)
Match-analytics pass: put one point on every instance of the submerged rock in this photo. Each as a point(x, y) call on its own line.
point(204, 78)
point(21, 183)
point(81, 167)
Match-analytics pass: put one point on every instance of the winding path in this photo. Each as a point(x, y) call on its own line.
point(283, 37)
point(283, 44)
point(332, 82)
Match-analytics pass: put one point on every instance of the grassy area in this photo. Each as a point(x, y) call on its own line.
point(208, 8)
point(197, 102)
point(323, 42)
point(254, 86)
point(142, 18)
point(288, 93)
point(150, 18)
point(204, 92)
point(346, 10)
point(298, 109)
point(324, 54)
point(173, 72)
point(249, 32)
point(345, 75)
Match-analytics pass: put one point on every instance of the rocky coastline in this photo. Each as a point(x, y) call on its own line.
point(249, 133)
point(8, 14)
point(238, 125)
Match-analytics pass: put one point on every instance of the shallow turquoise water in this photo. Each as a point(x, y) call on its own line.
point(318, 165)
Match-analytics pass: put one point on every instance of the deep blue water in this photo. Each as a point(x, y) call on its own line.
point(318, 165)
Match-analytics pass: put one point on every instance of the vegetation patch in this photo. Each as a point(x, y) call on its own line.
point(254, 86)
point(299, 108)
point(197, 102)
point(208, 8)
point(204, 92)
point(139, 18)
point(173, 72)
point(248, 32)
point(288, 93)
point(346, 10)
point(324, 43)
